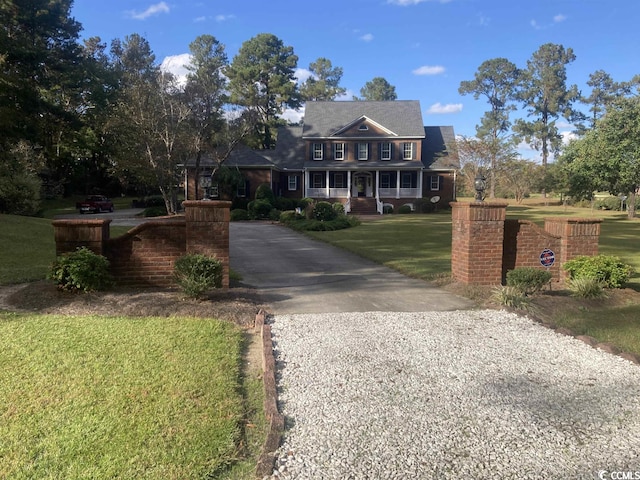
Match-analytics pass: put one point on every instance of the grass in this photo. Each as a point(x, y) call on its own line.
point(420, 246)
point(96, 397)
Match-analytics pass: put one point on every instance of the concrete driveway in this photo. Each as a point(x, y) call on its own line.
point(296, 274)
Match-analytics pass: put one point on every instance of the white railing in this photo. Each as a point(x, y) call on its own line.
point(347, 205)
point(404, 192)
point(379, 205)
point(322, 192)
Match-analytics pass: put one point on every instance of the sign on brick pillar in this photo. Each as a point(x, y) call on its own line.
point(73, 234)
point(477, 242)
point(207, 229)
point(578, 236)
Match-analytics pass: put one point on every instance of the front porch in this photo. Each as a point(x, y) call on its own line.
point(352, 184)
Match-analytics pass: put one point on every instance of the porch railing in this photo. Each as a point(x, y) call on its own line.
point(404, 192)
point(322, 192)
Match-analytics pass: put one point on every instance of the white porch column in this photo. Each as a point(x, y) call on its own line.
point(398, 179)
point(377, 195)
point(327, 187)
point(306, 183)
point(419, 192)
point(349, 183)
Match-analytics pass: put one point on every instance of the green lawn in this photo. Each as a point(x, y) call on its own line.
point(98, 397)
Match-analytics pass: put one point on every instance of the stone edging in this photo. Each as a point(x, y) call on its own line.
point(274, 417)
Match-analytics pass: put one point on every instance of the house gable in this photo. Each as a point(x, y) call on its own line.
point(363, 127)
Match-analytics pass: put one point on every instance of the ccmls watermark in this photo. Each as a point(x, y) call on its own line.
point(618, 475)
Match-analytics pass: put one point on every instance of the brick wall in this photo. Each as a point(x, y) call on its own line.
point(485, 245)
point(145, 255)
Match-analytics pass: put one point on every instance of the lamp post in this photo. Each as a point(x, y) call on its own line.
point(480, 184)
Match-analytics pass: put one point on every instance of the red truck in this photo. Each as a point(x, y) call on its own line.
point(95, 204)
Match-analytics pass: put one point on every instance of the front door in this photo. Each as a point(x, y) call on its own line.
point(361, 186)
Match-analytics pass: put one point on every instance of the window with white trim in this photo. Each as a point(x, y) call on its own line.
point(435, 182)
point(385, 180)
point(318, 151)
point(338, 151)
point(293, 182)
point(407, 151)
point(241, 190)
point(363, 151)
point(385, 151)
point(317, 180)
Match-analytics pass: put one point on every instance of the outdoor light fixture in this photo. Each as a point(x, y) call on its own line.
point(480, 184)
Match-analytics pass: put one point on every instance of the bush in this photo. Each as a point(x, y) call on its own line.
point(404, 209)
point(586, 287)
point(323, 211)
point(196, 273)
point(259, 209)
point(283, 203)
point(238, 214)
point(303, 203)
point(274, 214)
point(159, 211)
point(302, 224)
point(339, 208)
point(289, 216)
point(387, 208)
point(511, 297)
point(423, 205)
point(608, 203)
point(606, 269)
point(240, 203)
point(82, 270)
point(528, 280)
point(264, 192)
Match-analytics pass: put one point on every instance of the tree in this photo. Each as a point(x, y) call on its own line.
point(496, 80)
point(604, 90)
point(39, 80)
point(608, 157)
point(546, 97)
point(518, 177)
point(378, 89)
point(261, 78)
point(151, 109)
point(206, 96)
point(324, 83)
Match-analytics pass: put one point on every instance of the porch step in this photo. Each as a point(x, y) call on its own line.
point(363, 206)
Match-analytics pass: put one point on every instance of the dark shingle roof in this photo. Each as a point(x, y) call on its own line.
point(402, 117)
point(242, 156)
point(289, 153)
point(435, 153)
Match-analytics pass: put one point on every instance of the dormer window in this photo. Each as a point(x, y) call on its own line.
point(363, 127)
point(318, 151)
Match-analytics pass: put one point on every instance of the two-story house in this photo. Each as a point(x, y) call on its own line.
point(363, 154)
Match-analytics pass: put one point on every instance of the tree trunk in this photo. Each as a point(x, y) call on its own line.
point(631, 204)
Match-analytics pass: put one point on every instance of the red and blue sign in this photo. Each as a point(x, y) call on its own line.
point(547, 258)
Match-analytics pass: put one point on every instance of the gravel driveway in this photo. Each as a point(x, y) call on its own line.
point(456, 394)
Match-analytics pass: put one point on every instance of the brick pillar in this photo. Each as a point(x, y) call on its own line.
point(207, 225)
point(578, 236)
point(477, 242)
point(72, 234)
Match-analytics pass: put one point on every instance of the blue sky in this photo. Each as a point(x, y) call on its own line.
point(424, 48)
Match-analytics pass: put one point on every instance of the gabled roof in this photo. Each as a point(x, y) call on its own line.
point(241, 156)
point(324, 119)
point(289, 153)
point(436, 149)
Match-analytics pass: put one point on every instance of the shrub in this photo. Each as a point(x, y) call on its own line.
point(323, 211)
point(238, 214)
point(586, 287)
point(259, 209)
point(404, 209)
point(387, 208)
point(82, 270)
point(339, 208)
point(274, 214)
point(606, 269)
point(423, 205)
point(283, 203)
point(159, 211)
point(264, 192)
point(303, 224)
point(196, 273)
point(608, 203)
point(240, 203)
point(303, 203)
point(511, 297)
point(289, 216)
point(528, 280)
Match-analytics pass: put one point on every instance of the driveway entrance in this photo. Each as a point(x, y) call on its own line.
point(297, 274)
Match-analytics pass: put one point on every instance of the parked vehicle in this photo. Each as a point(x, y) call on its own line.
point(95, 204)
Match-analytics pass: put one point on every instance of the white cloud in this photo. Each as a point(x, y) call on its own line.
point(155, 9)
point(429, 70)
point(224, 18)
point(199, 19)
point(438, 108)
point(177, 65)
point(535, 25)
point(559, 18)
point(293, 116)
point(568, 136)
point(367, 37)
point(302, 74)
